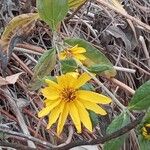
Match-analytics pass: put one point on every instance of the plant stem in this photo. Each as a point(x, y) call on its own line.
point(54, 44)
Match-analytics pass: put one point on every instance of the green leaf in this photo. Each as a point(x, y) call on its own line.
point(119, 122)
point(99, 68)
point(88, 87)
point(68, 65)
point(93, 55)
point(115, 144)
point(53, 78)
point(45, 64)
point(94, 118)
point(35, 84)
point(141, 98)
point(145, 120)
point(52, 11)
point(43, 68)
point(144, 144)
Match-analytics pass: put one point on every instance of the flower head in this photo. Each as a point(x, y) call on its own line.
point(64, 99)
point(146, 131)
point(76, 52)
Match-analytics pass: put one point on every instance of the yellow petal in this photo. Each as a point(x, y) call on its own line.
point(62, 119)
point(93, 97)
point(79, 56)
point(72, 48)
point(54, 114)
point(144, 129)
point(144, 133)
point(62, 55)
point(48, 102)
point(45, 111)
point(50, 93)
point(66, 80)
point(147, 125)
point(52, 84)
point(71, 80)
point(75, 116)
point(74, 74)
point(84, 115)
point(61, 80)
point(82, 80)
point(94, 107)
point(78, 50)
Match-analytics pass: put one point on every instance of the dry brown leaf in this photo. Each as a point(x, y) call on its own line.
point(118, 5)
point(18, 22)
point(9, 79)
point(73, 4)
point(3, 81)
point(19, 26)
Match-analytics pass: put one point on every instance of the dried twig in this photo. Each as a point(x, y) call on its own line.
point(18, 115)
point(101, 140)
point(124, 69)
point(69, 137)
point(133, 19)
point(122, 85)
point(22, 64)
point(14, 145)
point(36, 140)
point(24, 50)
point(145, 49)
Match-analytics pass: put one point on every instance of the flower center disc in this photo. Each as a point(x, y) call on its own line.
point(148, 130)
point(69, 53)
point(68, 94)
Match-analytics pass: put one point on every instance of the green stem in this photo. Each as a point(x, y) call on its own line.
point(54, 44)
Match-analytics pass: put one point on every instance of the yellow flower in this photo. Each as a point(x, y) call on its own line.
point(146, 131)
point(65, 98)
point(76, 52)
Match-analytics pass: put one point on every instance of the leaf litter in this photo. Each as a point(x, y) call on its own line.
point(107, 30)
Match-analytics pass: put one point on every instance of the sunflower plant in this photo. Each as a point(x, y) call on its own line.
point(66, 101)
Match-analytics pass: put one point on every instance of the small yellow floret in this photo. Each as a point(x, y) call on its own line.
point(74, 52)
